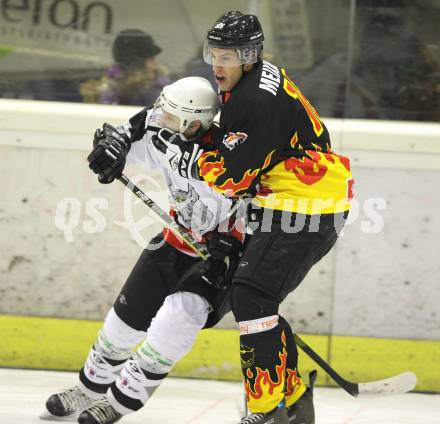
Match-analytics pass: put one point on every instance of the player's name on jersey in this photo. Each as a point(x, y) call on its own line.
point(270, 78)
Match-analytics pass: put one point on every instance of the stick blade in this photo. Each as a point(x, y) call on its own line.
point(401, 383)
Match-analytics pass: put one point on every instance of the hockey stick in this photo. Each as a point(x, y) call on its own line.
point(165, 218)
point(398, 384)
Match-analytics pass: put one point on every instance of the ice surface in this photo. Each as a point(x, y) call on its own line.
point(183, 401)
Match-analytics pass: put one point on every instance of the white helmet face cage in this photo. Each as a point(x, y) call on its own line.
point(190, 99)
point(231, 55)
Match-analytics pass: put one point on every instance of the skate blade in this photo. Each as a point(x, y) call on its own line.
point(47, 416)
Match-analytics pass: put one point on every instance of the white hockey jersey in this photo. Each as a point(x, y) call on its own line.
point(194, 204)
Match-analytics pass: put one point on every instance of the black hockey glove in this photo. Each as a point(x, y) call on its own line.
point(225, 251)
point(178, 154)
point(110, 149)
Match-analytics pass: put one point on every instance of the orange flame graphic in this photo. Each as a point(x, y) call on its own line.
point(294, 140)
point(293, 382)
point(308, 169)
point(210, 171)
point(230, 187)
point(268, 159)
point(264, 385)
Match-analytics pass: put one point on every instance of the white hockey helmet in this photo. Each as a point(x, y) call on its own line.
point(190, 99)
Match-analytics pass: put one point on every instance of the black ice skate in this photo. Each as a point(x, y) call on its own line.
point(66, 405)
point(303, 411)
point(101, 412)
point(276, 416)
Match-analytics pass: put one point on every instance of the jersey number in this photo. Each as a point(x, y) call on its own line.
point(292, 90)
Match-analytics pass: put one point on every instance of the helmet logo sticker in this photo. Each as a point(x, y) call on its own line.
point(253, 37)
point(233, 139)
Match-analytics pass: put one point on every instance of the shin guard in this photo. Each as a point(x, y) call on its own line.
point(263, 361)
point(98, 373)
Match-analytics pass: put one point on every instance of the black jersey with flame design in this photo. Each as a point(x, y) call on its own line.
point(273, 145)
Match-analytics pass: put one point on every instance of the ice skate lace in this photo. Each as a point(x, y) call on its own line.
point(74, 399)
point(252, 418)
point(103, 412)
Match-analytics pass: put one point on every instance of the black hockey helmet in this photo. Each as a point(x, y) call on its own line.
point(238, 31)
point(133, 46)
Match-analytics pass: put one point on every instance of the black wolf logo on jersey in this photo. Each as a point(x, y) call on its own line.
point(232, 139)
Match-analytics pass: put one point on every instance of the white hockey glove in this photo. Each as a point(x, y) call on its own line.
point(180, 155)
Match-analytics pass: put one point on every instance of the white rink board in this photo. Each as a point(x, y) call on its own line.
point(23, 393)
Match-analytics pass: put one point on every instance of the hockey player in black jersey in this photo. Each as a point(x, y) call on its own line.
point(274, 148)
point(169, 282)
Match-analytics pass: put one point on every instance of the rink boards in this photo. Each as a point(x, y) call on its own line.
point(61, 344)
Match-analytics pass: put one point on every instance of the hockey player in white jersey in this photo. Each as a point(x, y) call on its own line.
point(170, 294)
